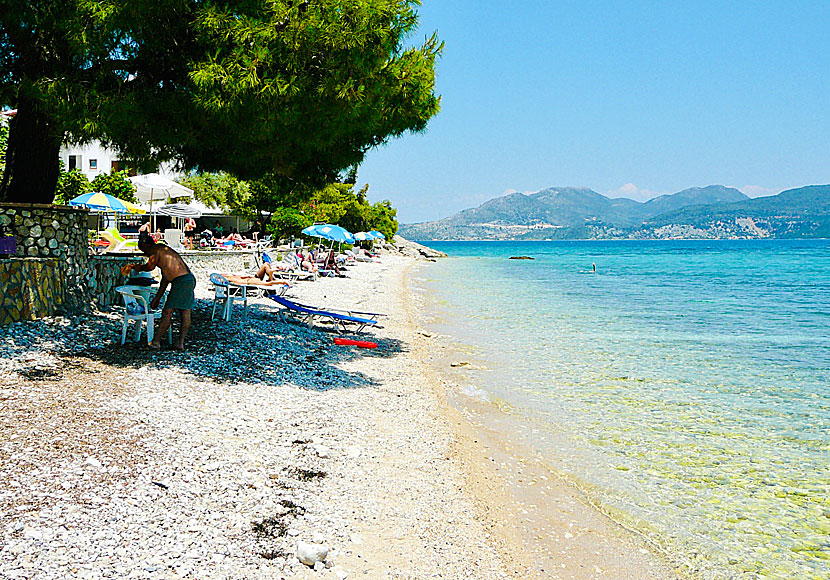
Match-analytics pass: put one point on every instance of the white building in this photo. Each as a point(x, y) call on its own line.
point(93, 159)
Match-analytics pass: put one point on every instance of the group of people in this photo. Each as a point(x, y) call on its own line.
point(213, 237)
point(177, 275)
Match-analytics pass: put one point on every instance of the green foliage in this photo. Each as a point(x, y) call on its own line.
point(383, 218)
point(71, 184)
point(338, 203)
point(221, 190)
point(4, 140)
point(115, 184)
point(288, 221)
point(292, 205)
point(299, 90)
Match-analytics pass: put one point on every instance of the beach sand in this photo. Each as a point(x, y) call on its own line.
point(118, 462)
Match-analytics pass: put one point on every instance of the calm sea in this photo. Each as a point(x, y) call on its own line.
point(685, 384)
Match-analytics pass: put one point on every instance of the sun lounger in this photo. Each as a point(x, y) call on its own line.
point(117, 242)
point(340, 318)
point(294, 271)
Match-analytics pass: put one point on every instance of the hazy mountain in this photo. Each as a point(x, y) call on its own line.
point(561, 211)
point(795, 213)
point(691, 196)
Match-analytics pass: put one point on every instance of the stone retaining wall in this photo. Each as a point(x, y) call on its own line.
point(53, 231)
point(31, 288)
point(234, 262)
point(105, 276)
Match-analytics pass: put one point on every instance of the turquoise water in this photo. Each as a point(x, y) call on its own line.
point(685, 384)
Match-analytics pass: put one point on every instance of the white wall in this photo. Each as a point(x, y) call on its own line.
point(103, 158)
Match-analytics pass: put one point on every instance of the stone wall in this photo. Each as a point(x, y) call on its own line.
point(105, 276)
point(50, 231)
point(233, 262)
point(31, 288)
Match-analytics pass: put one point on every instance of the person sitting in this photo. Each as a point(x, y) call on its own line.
point(306, 261)
point(330, 263)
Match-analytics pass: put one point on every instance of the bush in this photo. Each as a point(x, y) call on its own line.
point(115, 184)
point(71, 184)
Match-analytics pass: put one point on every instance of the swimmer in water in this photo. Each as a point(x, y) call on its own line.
point(595, 267)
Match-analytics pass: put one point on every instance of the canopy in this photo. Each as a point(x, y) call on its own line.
point(329, 232)
point(179, 210)
point(103, 202)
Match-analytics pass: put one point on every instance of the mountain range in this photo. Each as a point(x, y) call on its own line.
point(709, 212)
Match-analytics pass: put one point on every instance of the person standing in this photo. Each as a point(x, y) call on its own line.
point(182, 282)
point(189, 232)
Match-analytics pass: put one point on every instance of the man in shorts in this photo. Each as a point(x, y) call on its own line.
point(176, 274)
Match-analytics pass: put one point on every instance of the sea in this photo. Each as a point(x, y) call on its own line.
point(683, 385)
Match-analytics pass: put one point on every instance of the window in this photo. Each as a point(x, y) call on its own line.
point(119, 165)
point(93, 164)
point(74, 162)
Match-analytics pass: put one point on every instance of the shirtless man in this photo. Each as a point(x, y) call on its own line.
point(176, 274)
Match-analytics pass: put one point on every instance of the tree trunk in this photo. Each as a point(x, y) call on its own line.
point(32, 167)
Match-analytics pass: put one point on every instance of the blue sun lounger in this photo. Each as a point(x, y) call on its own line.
point(340, 318)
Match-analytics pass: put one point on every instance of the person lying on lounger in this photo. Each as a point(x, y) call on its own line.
point(253, 280)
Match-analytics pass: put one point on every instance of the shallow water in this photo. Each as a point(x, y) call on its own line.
point(685, 385)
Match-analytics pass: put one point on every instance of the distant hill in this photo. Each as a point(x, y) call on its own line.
point(691, 196)
point(796, 213)
point(564, 212)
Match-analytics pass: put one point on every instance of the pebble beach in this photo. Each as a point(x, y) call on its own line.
point(267, 451)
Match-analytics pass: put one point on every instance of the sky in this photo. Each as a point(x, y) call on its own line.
point(631, 99)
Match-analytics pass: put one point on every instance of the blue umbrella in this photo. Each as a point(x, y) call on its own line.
point(378, 235)
point(329, 232)
point(363, 236)
point(100, 202)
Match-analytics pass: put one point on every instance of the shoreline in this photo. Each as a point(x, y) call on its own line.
point(215, 463)
point(543, 524)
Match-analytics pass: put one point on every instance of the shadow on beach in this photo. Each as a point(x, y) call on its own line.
point(257, 348)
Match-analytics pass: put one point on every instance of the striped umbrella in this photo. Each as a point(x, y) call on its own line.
point(100, 202)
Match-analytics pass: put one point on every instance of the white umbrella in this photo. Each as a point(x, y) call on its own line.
point(154, 187)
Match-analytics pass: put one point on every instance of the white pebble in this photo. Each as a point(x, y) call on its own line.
point(310, 554)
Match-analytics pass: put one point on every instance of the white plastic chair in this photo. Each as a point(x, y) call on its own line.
point(173, 238)
point(225, 294)
point(137, 307)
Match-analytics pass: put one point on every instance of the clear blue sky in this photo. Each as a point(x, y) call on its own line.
point(635, 98)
